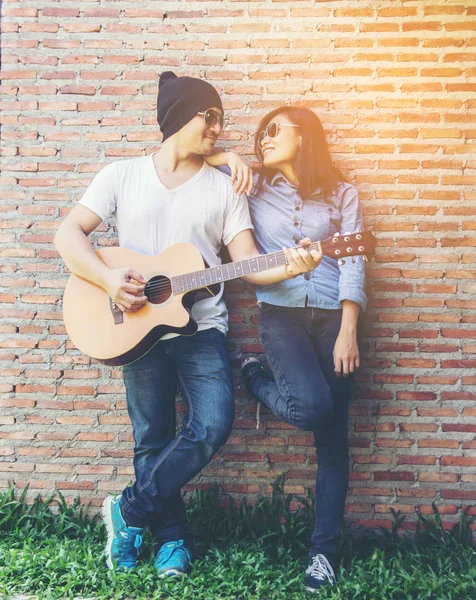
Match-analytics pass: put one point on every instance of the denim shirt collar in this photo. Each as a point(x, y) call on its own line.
point(278, 176)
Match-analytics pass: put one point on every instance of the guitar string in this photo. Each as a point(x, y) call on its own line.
point(163, 285)
point(166, 284)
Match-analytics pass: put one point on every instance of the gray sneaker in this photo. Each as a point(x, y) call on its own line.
point(319, 573)
point(250, 366)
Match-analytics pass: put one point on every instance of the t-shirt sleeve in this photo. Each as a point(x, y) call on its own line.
point(101, 194)
point(237, 216)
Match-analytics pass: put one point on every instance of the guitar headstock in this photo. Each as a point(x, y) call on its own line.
point(339, 246)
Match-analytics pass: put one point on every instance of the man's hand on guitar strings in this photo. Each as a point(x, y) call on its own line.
point(128, 296)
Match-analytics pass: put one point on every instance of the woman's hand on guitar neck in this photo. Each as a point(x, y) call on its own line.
point(128, 296)
point(301, 260)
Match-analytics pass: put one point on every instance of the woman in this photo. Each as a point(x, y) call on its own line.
point(308, 324)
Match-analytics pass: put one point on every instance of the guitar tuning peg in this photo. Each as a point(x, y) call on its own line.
point(341, 262)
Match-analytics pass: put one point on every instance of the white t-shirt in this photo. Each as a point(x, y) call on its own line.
point(203, 211)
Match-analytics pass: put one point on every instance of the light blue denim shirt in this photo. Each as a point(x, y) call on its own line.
point(282, 218)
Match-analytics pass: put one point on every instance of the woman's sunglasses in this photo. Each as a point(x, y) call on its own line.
point(273, 129)
point(212, 117)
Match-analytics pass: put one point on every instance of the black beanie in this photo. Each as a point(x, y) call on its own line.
point(180, 99)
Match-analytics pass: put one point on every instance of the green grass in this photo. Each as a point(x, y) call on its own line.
point(249, 552)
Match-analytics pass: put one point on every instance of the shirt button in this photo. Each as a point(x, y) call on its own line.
point(330, 210)
point(307, 276)
point(296, 223)
point(298, 208)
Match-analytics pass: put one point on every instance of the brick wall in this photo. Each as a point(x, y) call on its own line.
point(394, 83)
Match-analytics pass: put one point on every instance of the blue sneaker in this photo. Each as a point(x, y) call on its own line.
point(172, 560)
point(123, 542)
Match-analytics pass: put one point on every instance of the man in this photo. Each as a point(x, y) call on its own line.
point(170, 197)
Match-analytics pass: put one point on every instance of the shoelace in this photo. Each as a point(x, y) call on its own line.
point(247, 361)
point(320, 568)
point(130, 547)
point(258, 409)
point(166, 552)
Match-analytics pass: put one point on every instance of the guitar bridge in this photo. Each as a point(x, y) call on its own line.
point(117, 313)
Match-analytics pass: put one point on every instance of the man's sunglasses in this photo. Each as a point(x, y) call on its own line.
point(272, 130)
point(212, 117)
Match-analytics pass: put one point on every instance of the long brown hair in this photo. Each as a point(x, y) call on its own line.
point(313, 164)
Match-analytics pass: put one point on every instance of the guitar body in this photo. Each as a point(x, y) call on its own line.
point(110, 336)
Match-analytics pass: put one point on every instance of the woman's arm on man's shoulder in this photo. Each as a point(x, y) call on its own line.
point(232, 164)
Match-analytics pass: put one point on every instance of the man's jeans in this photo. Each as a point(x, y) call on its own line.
point(306, 393)
point(164, 461)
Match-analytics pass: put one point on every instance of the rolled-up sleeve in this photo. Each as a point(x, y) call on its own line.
point(352, 274)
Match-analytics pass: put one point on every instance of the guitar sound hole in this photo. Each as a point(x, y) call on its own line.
point(158, 289)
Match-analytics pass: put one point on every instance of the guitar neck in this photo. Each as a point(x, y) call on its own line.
point(199, 279)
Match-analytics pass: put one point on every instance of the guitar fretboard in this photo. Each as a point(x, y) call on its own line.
point(199, 279)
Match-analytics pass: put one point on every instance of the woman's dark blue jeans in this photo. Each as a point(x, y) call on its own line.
point(304, 391)
point(165, 460)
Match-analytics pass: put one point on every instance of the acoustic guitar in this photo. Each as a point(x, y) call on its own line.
point(175, 277)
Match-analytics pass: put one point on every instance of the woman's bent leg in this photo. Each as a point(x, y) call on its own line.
point(297, 390)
